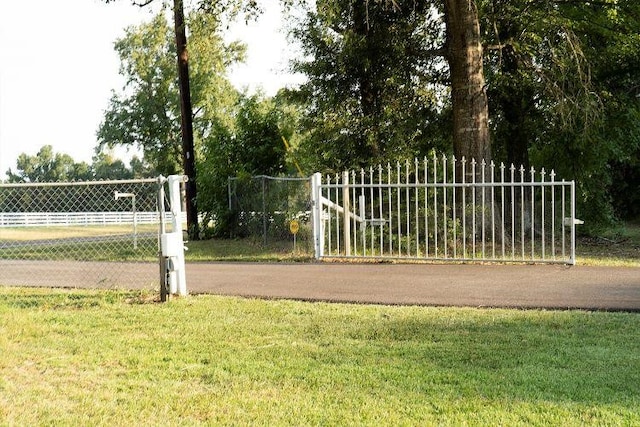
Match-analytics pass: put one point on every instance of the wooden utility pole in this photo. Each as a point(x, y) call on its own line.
point(188, 155)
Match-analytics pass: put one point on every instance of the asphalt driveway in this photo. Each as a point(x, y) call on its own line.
point(512, 286)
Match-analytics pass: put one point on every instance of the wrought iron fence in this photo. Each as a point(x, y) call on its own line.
point(102, 233)
point(442, 208)
point(263, 207)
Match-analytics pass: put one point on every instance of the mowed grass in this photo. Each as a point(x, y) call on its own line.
point(119, 358)
point(247, 250)
point(80, 243)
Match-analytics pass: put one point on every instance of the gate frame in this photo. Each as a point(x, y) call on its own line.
point(321, 204)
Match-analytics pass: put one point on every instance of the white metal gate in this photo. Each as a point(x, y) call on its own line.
point(445, 209)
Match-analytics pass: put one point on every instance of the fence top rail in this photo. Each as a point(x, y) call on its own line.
point(78, 183)
point(274, 178)
point(451, 184)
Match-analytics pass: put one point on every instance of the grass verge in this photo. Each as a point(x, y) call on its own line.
point(116, 358)
point(619, 247)
point(246, 250)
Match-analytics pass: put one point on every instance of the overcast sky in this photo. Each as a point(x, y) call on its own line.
point(58, 67)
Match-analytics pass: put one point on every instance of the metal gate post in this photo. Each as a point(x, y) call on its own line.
point(316, 205)
point(162, 261)
point(346, 219)
point(172, 244)
point(175, 198)
point(573, 223)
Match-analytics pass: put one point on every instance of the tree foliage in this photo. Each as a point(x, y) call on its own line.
point(253, 144)
point(368, 96)
point(234, 133)
point(563, 79)
point(146, 113)
point(49, 166)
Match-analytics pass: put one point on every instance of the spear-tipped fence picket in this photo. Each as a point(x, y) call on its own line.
point(441, 208)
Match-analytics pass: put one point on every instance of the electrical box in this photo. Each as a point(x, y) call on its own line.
point(171, 244)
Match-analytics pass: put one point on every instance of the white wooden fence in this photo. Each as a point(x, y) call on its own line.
point(60, 219)
point(445, 209)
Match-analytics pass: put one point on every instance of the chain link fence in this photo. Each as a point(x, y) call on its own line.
point(264, 207)
point(102, 234)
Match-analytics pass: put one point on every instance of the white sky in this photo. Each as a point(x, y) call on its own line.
point(58, 67)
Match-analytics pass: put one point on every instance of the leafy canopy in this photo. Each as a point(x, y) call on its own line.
point(146, 113)
point(369, 94)
point(49, 166)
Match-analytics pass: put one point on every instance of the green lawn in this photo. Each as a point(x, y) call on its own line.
point(119, 358)
point(247, 250)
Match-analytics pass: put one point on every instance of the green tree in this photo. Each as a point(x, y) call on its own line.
point(141, 169)
point(186, 112)
point(48, 166)
point(609, 147)
point(368, 96)
point(106, 167)
point(251, 145)
point(146, 114)
point(561, 79)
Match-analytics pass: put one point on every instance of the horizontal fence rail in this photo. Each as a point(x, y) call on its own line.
point(445, 209)
point(55, 219)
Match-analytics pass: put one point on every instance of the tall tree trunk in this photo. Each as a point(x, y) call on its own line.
point(188, 155)
point(469, 99)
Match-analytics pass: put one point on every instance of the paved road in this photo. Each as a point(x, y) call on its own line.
point(521, 286)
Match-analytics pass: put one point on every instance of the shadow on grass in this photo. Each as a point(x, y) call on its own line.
point(576, 357)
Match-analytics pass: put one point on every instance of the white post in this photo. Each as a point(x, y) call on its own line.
point(316, 203)
point(346, 219)
point(363, 221)
point(177, 278)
